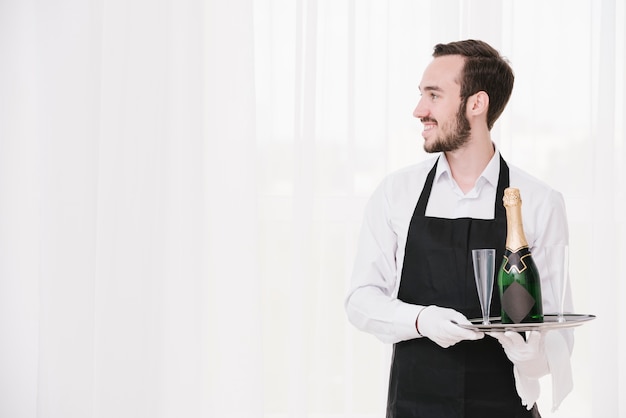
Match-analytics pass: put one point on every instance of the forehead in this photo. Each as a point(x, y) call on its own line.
point(443, 73)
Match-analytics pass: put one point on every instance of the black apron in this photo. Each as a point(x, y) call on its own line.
point(471, 378)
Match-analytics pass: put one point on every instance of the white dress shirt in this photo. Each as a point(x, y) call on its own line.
point(372, 304)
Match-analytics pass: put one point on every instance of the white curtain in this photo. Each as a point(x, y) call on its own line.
point(182, 184)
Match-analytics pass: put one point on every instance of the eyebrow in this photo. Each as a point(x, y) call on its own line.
point(430, 88)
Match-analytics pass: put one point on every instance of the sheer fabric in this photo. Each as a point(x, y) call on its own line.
point(182, 183)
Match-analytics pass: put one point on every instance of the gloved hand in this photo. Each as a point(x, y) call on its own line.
point(528, 356)
point(439, 325)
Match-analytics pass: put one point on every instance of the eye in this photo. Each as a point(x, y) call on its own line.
point(434, 96)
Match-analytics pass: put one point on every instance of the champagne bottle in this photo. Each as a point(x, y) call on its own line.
point(518, 278)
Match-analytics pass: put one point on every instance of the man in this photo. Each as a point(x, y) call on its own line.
point(413, 276)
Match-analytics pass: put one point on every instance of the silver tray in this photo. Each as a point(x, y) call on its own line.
point(550, 321)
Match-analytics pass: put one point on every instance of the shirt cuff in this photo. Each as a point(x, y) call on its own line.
point(404, 321)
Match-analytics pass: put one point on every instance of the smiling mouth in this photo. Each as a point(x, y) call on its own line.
point(428, 124)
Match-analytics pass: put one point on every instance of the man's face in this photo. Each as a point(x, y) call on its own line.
point(441, 109)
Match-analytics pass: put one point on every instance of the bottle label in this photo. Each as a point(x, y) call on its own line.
point(517, 302)
point(515, 262)
point(520, 287)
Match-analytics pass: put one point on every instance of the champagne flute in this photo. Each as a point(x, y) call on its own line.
point(557, 258)
point(484, 268)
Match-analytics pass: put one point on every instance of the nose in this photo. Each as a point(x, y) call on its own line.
point(420, 110)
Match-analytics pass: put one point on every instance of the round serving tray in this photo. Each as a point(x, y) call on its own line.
point(550, 321)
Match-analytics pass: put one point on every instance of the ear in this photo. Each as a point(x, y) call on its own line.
point(478, 104)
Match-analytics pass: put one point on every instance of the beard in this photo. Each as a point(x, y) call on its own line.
point(458, 135)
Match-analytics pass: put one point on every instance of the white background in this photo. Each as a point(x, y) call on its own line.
point(182, 184)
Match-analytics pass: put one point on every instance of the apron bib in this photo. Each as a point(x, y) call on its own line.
point(471, 379)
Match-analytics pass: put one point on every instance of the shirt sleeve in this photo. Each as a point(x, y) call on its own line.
point(371, 304)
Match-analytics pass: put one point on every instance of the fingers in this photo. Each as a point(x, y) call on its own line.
point(459, 318)
point(498, 336)
point(513, 338)
point(452, 334)
point(451, 339)
point(441, 325)
point(534, 338)
point(462, 333)
point(516, 348)
point(507, 337)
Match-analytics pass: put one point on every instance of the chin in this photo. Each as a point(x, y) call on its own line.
point(433, 147)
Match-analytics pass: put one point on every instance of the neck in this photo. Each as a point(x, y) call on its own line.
point(468, 162)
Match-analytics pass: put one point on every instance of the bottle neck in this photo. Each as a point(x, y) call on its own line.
point(515, 238)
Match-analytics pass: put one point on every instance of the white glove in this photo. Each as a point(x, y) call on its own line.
point(528, 356)
point(529, 362)
point(440, 325)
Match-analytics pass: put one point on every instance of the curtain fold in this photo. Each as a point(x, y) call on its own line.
point(66, 82)
point(182, 184)
point(606, 202)
point(20, 225)
point(235, 364)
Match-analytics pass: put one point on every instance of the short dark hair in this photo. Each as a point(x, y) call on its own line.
point(484, 70)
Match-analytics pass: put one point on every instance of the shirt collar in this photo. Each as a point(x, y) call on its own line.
point(491, 173)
